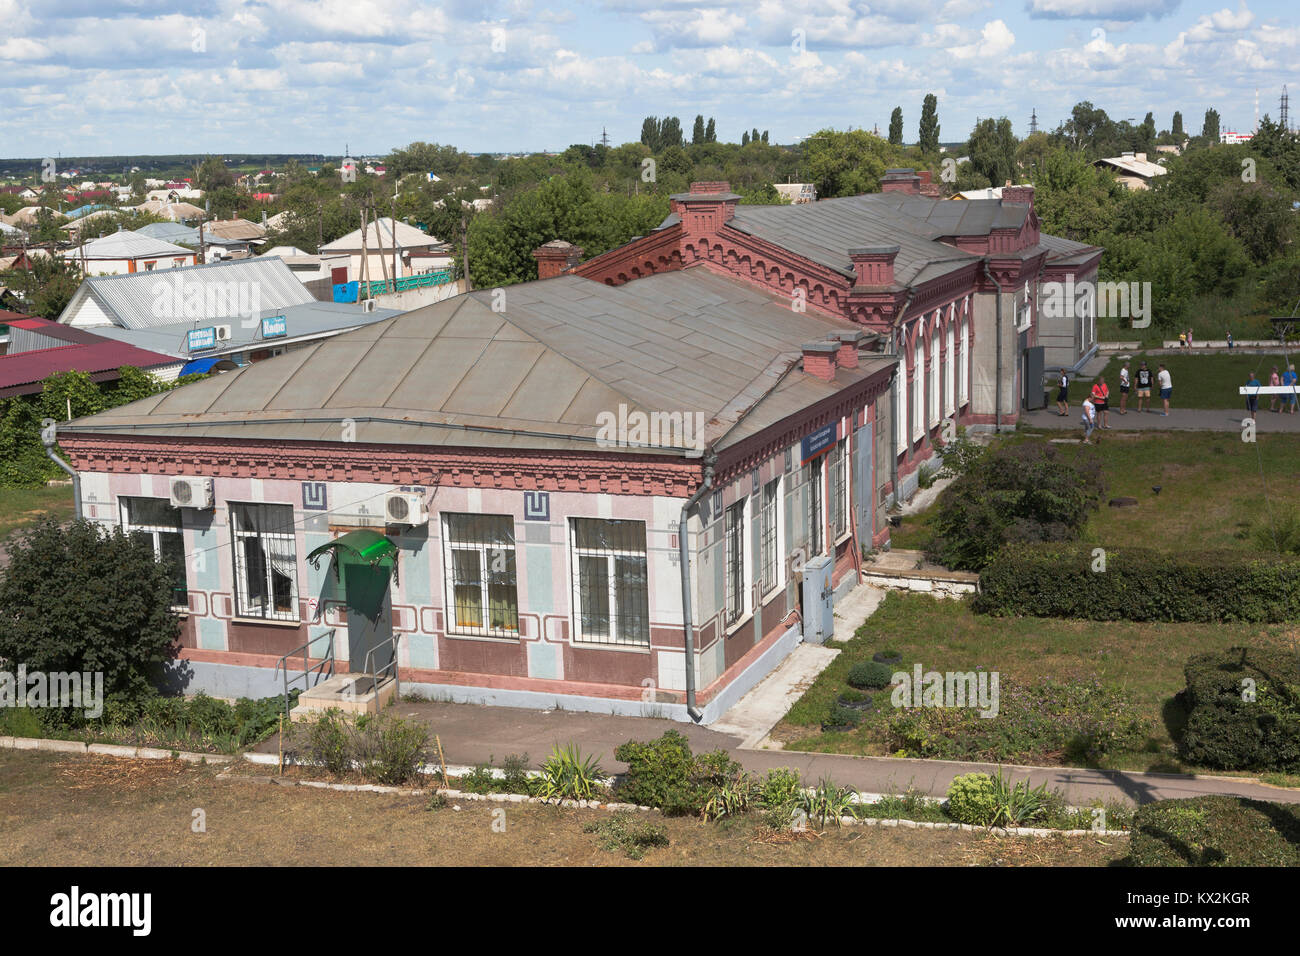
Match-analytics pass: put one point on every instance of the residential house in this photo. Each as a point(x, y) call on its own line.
point(1134, 170)
point(125, 252)
point(32, 349)
point(388, 247)
point(797, 193)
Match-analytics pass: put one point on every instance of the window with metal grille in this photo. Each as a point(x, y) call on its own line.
point(839, 489)
point(266, 561)
point(813, 480)
point(734, 535)
point(611, 598)
point(767, 534)
point(157, 519)
point(482, 587)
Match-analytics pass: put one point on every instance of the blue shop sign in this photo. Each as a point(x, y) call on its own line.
point(199, 339)
point(818, 442)
point(274, 327)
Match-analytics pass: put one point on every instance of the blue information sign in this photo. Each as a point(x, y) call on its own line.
point(200, 339)
point(274, 326)
point(818, 442)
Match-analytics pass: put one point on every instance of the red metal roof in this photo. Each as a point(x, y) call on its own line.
point(22, 374)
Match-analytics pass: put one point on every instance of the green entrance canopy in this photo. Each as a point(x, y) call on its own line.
point(364, 545)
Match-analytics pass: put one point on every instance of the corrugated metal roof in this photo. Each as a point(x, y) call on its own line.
point(126, 245)
point(138, 300)
point(22, 373)
point(381, 231)
point(537, 375)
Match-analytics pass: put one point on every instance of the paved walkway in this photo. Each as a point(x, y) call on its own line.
point(1180, 419)
point(472, 734)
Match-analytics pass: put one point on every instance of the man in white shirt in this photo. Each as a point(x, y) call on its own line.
point(1089, 418)
point(1166, 383)
point(1123, 389)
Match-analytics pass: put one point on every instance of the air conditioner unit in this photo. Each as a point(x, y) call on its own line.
point(223, 333)
point(191, 493)
point(368, 305)
point(406, 507)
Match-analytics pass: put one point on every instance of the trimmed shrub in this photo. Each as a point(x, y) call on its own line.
point(390, 749)
point(1139, 584)
point(870, 675)
point(664, 773)
point(841, 716)
point(1012, 494)
point(1228, 731)
point(1215, 831)
point(972, 798)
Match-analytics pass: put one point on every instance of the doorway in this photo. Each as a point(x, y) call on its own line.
point(368, 595)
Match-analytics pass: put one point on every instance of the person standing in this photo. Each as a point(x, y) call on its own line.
point(1252, 398)
point(1274, 380)
point(1290, 378)
point(1101, 402)
point(1089, 419)
point(1189, 338)
point(1063, 395)
point(1123, 389)
point(1182, 340)
point(1166, 383)
point(1230, 340)
point(1143, 386)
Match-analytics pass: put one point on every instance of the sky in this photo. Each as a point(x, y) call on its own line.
point(103, 77)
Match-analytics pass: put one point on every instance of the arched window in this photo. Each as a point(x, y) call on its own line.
point(936, 369)
point(963, 365)
point(918, 387)
point(949, 366)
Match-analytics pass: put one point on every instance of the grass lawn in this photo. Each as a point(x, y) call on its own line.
point(1208, 380)
point(61, 810)
point(22, 506)
point(1144, 660)
point(1211, 492)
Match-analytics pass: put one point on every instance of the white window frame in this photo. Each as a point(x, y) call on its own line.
point(155, 531)
point(949, 371)
point(735, 518)
point(900, 390)
point(918, 386)
point(936, 369)
point(615, 639)
point(774, 509)
point(488, 557)
point(243, 606)
point(838, 470)
point(963, 393)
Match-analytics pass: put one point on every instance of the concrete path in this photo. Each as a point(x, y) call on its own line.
point(1180, 419)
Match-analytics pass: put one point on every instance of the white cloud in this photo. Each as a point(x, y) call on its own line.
point(995, 39)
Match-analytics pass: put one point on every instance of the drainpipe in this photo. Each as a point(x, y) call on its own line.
point(48, 431)
point(685, 553)
point(997, 401)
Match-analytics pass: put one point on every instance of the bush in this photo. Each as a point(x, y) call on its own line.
point(664, 773)
point(568, 774)
point(329, 744)
point(1215, 831)
point(871, 675)
point(1139, 584)
point(81, 599)
point(841, 717)
point(1038, 722)
point(972, 799)
point(1013, 493)
point(1228, 732)
point(390, 749)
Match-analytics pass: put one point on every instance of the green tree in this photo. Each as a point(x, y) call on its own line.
point(697, 131)
point(1074, 198)
point(992, 150)
point(651, 133)
point(1147, 131)
point(896, 127)
point(1257, 214)
point(710, 132)
point(846, 163)
point(670, 132)
point(744, 138)
point(82, 599)
point(928, 137)
point(1210, 128)
point(212, 174)
point(1177, 126)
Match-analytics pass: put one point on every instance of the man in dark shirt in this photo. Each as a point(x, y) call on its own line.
point(1143, 385)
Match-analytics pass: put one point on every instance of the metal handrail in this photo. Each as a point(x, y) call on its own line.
point(282, 665)
point(390, 666)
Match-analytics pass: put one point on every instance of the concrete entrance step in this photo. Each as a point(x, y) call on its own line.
point(350, 693)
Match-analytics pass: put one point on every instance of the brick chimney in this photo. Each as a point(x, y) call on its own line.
point(874, 265)
point(901, 181)
point(705, 208)
point(819, 359)
point(846, 343)
point(1019, 194)
point(556, 257)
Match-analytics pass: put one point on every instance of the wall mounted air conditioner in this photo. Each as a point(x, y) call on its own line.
point(405, 507)
point(191, 493)
point(223, 333)
point(368, 305)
